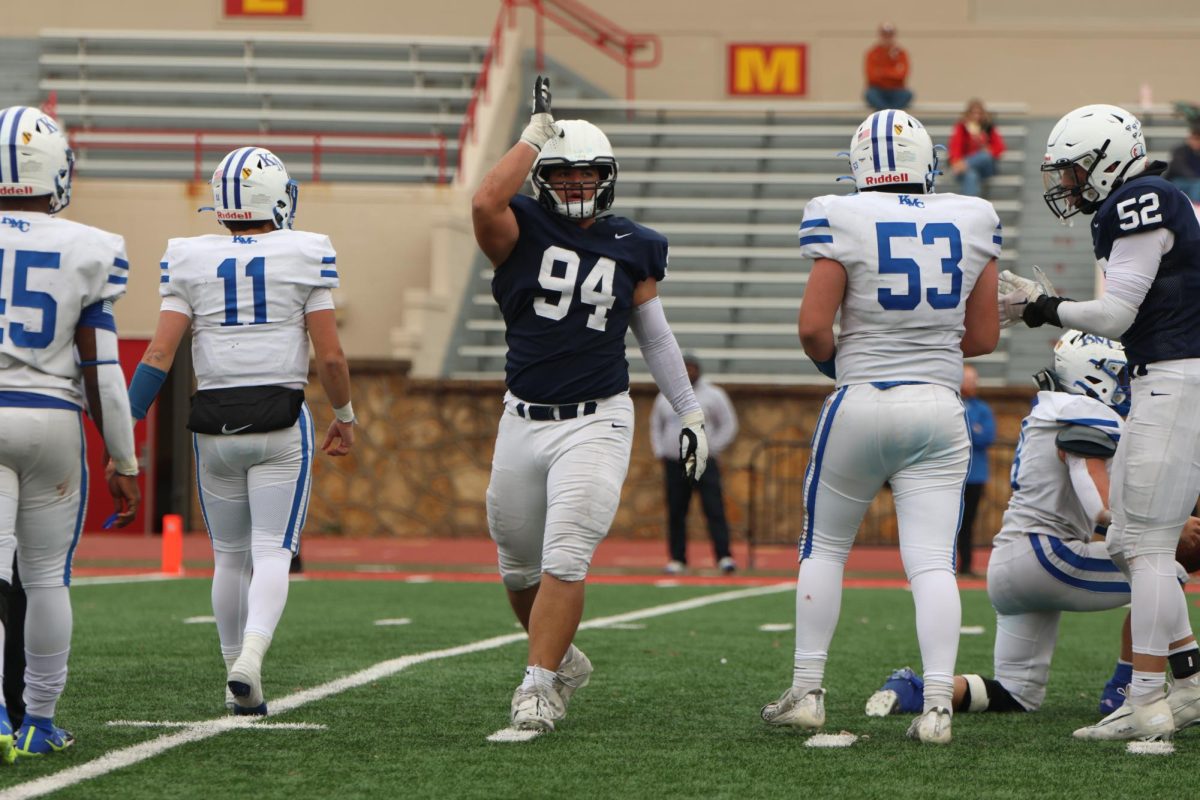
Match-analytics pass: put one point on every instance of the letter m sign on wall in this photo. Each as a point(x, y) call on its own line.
point(768, 69)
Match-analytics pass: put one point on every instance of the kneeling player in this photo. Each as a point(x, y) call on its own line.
point(1045, 560)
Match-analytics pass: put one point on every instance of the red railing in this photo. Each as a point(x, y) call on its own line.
point(633, 50)
point(200, 143)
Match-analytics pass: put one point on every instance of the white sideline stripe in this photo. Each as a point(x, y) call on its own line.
point(198, 620)
point(775, 627)
point(244, 722)
point(397, 621)
point(128, 756)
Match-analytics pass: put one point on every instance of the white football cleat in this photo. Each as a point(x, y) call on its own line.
point(1152, 723)
point(805, 711)
point(534, 710)
point(932, 727)
point(245, 683)
point(674, 567)
point(573, 673)
point(230, 703)
point(1185, 705)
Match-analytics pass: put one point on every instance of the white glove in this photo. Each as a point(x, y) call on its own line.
point(541, 127)
point(693, 445)
point(1015, 292)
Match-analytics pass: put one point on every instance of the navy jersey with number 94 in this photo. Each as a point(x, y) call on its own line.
point(566, 294)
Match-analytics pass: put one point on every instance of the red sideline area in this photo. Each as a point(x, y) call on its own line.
point(617, 561)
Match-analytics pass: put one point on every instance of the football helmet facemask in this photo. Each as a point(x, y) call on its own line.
point(250, 185)
point(1091, 151)
point(1092, 366)
point(35, 157)
point(890, 148)
point(580, 144)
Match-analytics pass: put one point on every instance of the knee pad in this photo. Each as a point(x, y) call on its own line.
point(986, 694)
point(565, 565)
point(518, 578)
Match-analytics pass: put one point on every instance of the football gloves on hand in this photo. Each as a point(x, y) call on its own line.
point(541, 127)
point(693, 445)
point(1034, 302)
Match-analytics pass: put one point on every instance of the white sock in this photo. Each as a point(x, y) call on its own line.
point(1146, 687)
point(254, 649)
point(268, 590)
point(48, 623)
point(818, 605)
point(230, 592)
point(939, 619)
point(538, 679)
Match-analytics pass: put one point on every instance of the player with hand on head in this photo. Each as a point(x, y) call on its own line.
point(913, 274)
point(1050, 555)
point(253, 298)
point(570, 279)
point(58, 355)
point(1146, 239)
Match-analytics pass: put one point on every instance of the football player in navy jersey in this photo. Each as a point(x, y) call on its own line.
point(1147, 240)
point(570, 279)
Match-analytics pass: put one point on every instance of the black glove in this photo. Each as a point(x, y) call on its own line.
point(1042, 310)
point(541, 95)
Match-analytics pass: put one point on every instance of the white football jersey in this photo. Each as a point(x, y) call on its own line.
point(911, 261)
point(51, 269)
point(1043, 499)
point(247, 297)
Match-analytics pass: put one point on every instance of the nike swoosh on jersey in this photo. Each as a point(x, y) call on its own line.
point(225, 429)
point(622, 235)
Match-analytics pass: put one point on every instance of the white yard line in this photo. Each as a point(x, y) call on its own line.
point(128, 756)
point(247, 722)
point(143, 577)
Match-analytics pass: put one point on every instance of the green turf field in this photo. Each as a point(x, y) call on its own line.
point(672, 710)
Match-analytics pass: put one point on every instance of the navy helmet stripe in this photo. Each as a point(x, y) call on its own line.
point(875, 139)
point(237, 178)
point(13, 177)
point(891, 153)
point(3, 115)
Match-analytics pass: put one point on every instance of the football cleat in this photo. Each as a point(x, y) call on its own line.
point(932, 727)
point(902, 693)
point(245, 683)
point(230, 704)
point(8, 753)
point(675, 568)
point(257, 711)
point(727, 565)
point(536, 710)
point(1185, 705)
point(1150, 723)
point(573, 674)
point(805, 711)
point(1113, 697)
point(39, 736)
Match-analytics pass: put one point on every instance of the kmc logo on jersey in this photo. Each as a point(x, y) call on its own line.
point(915, 202)
point(20, 224)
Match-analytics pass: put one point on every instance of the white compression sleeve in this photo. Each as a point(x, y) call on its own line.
point(662, 354)
point(1131, 269)
point(114, 403)
point(1085, 488)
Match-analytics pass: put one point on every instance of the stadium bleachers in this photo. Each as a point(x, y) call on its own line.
point(123, 92)
point(727, 184)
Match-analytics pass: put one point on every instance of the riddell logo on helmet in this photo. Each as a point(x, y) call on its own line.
point(11, 190)
point(895, 177)
point(234, 214)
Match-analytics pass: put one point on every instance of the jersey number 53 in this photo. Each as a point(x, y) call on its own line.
point(886, 232)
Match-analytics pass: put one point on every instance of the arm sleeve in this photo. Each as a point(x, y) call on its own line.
point(321, 299)
point(722, 423)
point(1085, 487)
point(1131, 269)
point(662, 354)
point(114, 402)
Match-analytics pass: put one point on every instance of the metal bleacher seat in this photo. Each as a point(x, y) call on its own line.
point(146, 82)
point(727, 183)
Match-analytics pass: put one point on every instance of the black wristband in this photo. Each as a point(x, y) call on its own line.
point(1043, 310)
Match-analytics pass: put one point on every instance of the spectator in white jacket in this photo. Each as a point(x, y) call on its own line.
point(720, 421)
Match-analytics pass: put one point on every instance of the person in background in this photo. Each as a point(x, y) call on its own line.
point(722, 426)
point(1184, 168)
point(887, 72)
point(975, 148)
point(982, 427)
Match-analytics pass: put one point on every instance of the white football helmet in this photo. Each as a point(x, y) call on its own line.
point(1093, 366)
point(1091, 152)
point(891, 147)
point(250, 185)
point(35, 157)
point(580, 144)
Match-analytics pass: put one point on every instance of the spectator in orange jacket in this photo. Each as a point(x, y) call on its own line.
point(975, 147)
point(887, 70)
